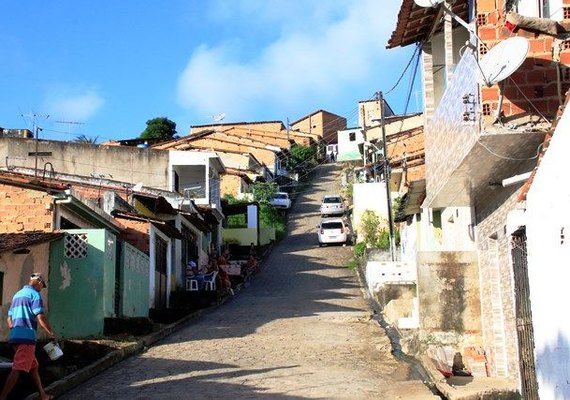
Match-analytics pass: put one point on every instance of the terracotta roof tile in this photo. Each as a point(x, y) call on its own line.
point(21, 240)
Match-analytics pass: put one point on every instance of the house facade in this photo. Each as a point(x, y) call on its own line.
point(322, 123)
point(540, 228)
point(478, 135)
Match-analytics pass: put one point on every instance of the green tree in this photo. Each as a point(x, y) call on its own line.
point(262, 191)
point(301, 154)
point(159, 128)
point(86, 139)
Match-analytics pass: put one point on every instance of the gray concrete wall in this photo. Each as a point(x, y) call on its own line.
point(448, 291)
point(125, 164)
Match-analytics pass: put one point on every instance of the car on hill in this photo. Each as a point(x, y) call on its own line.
point(280, 200)
point(333, 230)
point(332, 204)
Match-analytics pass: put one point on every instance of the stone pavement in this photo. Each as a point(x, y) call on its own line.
point(302, 329)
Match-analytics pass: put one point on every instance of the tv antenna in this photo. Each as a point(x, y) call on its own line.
point(36, 132)
point(219, 117)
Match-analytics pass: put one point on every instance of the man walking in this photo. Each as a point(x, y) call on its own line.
point(26, 310)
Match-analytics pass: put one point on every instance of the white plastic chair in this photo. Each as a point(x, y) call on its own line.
point(191, 284)
point(210, 281)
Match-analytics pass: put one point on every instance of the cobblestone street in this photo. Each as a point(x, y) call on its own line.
point(301, 329)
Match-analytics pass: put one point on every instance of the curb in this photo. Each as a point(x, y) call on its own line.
point(69, 382)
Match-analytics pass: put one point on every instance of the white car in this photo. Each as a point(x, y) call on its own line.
point(332, 204)
point(280, 200)
point(333, 230)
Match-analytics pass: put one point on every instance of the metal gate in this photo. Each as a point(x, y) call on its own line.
point(525, 332)
point(160, 266)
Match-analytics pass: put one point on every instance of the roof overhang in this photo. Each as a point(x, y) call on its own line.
point(416, 24)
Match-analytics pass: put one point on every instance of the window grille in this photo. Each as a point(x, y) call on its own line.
point(76, 245)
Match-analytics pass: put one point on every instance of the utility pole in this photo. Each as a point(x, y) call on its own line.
point(380, 99)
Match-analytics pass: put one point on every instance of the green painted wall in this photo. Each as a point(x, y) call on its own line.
point(134, 282)
point(82, 280)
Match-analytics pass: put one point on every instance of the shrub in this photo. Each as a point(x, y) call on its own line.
point(359, 249)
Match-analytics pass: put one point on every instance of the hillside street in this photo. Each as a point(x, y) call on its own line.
point(301, 329)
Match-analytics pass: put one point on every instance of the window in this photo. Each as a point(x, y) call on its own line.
point(540, 8)
point(352, 136)
point(76, 245)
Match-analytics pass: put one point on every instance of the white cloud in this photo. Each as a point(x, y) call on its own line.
point(323, 50)
point(73, 104)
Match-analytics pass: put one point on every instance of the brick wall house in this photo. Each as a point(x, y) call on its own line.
point(323, 123)
point(476, 136)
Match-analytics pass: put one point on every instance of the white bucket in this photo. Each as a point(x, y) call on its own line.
point(53, 350)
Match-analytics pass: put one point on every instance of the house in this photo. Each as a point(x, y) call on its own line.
point(478, 133)
point(261, 129)
point(270, 155)
point(322, 123)
point(237, 184)
point(92, 274)
point(539, 230)
point(370, 112)
point(179, 178)
point(349, 142)
point(21, 254)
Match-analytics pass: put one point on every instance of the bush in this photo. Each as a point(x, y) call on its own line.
point(359, 249)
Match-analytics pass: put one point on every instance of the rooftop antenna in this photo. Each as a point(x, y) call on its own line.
point(219, 117)
point(36, 132)
point(70, 123)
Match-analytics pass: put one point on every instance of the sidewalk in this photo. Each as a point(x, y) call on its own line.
point(139, 345)
point(470, 388)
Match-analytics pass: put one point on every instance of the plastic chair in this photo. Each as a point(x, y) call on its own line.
point(191, 284)
point(210, 281)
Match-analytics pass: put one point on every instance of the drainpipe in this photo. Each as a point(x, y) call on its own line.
point(60, 198)
point(68, 198)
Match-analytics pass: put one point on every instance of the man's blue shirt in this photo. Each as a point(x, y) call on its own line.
point(27, 304)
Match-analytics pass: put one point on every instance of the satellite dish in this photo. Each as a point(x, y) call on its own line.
point(502, 60)
point(428, 3)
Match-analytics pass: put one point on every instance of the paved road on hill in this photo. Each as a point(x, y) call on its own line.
point(302, 329)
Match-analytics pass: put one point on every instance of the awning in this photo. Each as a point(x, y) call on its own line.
point(411, 201)
point(196, 222)
point(168, 230)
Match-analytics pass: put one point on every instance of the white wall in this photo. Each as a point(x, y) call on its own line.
point(548, 247)
point(368, 196)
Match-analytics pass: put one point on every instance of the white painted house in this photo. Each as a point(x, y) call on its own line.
point(548, 254)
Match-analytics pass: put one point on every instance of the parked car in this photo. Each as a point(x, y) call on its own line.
point(280, 200)
point(333, 230)
point(332, 204)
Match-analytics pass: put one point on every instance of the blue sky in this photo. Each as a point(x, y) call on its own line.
point(102, 69)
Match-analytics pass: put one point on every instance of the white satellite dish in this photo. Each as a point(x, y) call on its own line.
point(428, 3)
point(502, 60)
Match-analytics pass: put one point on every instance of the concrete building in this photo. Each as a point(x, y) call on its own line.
point(477, 135)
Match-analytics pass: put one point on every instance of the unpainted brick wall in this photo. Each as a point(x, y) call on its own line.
point(24, 210)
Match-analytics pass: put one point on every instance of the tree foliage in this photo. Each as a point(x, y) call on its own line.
point(160, 128)
point(262, 191)
point(86, 139)
point(301, 154)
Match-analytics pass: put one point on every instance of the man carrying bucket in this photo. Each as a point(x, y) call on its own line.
point(26, 310)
